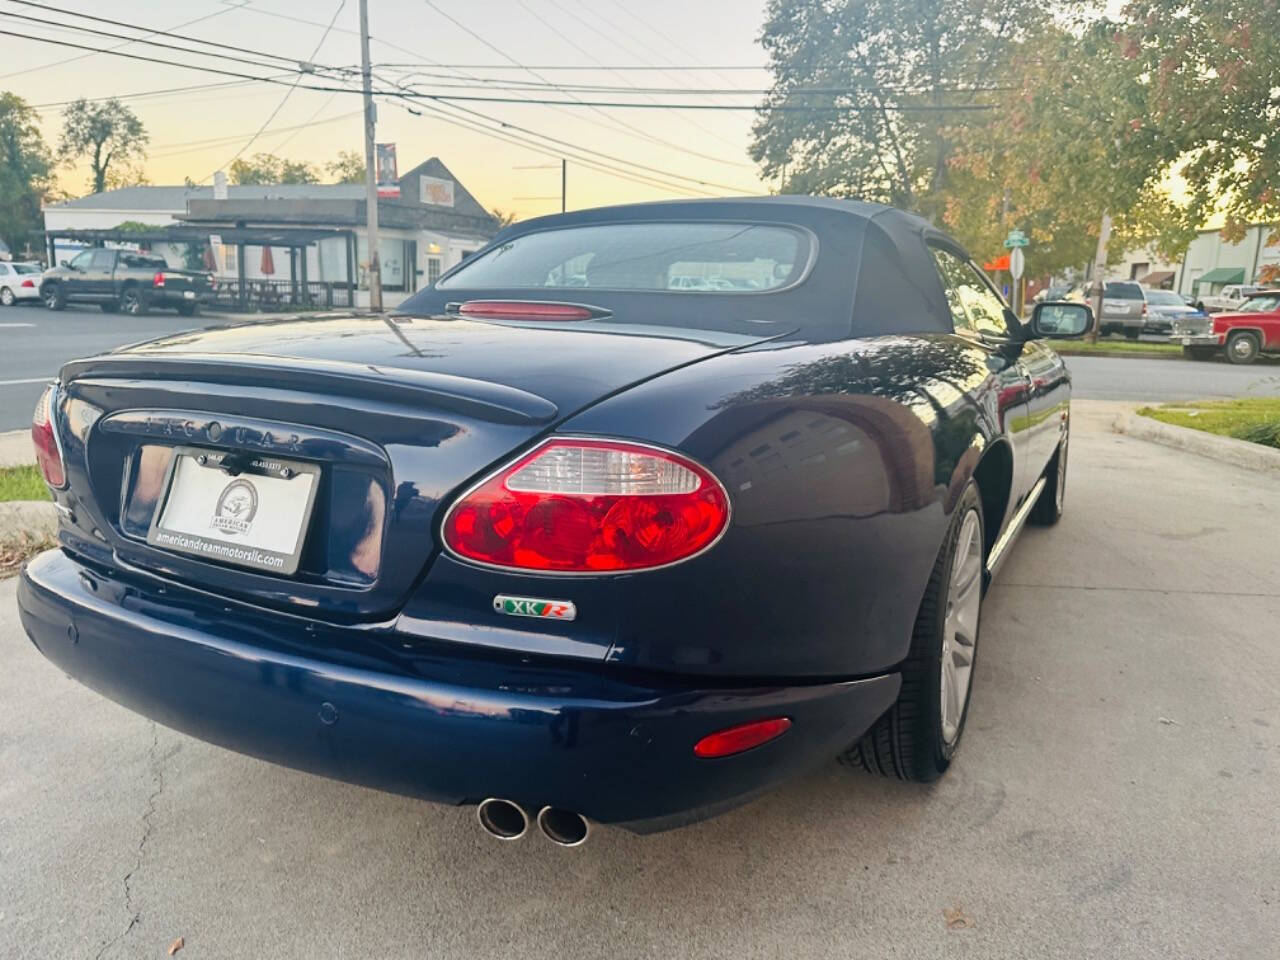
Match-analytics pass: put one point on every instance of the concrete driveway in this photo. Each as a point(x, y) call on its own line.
point(1115, 797)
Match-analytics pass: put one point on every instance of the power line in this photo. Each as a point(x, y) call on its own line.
point(190, 146)
point(595, 108)
point(86, 56)
point(164, 33)
point(447, 98)
point(287, 94)
point(142, 94)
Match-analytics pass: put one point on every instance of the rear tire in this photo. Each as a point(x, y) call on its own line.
point(53, 296)
point(1243, 347)
point(917, 737)
point(1048, 509)
point(133, 302)
point(1132, 334)
point(6, 297)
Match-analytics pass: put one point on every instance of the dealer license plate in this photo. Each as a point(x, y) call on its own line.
point(254, 517)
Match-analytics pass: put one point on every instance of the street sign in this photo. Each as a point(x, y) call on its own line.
point(1016, 238)
point(1017, 263)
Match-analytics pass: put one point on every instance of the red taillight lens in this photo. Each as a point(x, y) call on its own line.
point(725, 743)
point(48, 456)
point(28, 283)
point(526, 310)
point(589, 506)
point(158, 280)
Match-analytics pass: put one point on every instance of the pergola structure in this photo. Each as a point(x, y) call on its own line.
point(296, 239)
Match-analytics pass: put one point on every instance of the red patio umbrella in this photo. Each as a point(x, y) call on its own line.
point(268, 265)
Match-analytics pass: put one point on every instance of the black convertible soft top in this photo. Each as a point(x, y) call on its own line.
point(872, 274)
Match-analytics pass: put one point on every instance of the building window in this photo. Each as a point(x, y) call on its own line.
point(468, 253)
point(229, 264)
point(433, 269)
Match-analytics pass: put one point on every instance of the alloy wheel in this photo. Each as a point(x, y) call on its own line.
point(129, 302)
point(960, 629)
point(51, 299)
point(6, 297)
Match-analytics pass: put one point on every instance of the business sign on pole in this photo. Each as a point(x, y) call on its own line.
point(388, 177)
point(1017, 263)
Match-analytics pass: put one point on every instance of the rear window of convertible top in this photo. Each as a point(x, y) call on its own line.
point(687, 257)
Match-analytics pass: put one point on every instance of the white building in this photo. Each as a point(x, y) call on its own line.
point(431, 226)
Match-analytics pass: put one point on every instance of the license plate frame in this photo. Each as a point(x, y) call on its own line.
point(219, 544)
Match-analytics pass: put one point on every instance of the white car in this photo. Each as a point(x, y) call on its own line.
point(19, 281)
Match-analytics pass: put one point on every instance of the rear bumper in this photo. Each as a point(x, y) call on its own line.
point(352, 705)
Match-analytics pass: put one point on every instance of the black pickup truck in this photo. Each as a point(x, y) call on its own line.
point(125, 280)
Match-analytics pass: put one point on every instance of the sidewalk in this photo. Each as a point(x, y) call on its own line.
point(15, 448)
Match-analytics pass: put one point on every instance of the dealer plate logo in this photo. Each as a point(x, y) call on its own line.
point(236, 507)
point(535, 607)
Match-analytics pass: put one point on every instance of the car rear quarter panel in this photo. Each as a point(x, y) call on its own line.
point(842, 462)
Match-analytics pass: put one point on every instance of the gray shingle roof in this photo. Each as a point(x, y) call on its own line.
point(165, 198)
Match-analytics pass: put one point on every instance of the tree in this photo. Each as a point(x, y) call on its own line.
point(108, 133)
point(504, 218)
point(348, 168)
point(869, 96)
point(267, 168)
point(25, 171)
point(1213, 72)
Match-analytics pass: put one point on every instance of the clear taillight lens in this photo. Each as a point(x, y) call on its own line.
point(44, 437)
point(589, 506)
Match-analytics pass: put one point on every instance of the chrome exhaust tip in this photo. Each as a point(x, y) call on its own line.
point(564, 827)
point(502, 818)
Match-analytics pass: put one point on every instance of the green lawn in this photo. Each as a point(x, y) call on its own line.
point(1081, 347)
point(1256, 419)
point(22, 483)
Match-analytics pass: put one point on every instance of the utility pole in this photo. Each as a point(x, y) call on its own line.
point(1099, 268)
point(564, 184)
point(370, 166)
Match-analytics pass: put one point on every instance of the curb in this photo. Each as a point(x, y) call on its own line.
point(28, 519)
point(1239, 453)
point(16, 449)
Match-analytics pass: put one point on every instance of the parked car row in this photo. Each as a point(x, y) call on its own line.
point(126, 281)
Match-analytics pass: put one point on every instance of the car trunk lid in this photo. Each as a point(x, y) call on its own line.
point(395, 414)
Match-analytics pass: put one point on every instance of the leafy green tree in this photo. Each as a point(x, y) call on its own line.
point(267, 168)
point(110, 135)
point(347, 168)
point(1213, 72)
point(25, 172)
point(870, 96)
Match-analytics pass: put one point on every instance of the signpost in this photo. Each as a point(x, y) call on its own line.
point(1014, 243)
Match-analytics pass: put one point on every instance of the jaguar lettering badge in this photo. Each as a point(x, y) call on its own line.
point(534, 607)
point(236, 507)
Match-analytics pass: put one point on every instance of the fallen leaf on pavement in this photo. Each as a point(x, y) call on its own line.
point(1169, 722)
point(957, 919)
point(176, 946)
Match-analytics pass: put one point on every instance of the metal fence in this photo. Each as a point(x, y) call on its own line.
point(280, 295)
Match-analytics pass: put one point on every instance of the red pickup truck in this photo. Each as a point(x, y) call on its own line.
point(1244, 334)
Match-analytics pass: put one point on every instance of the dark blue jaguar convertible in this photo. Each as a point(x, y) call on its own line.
point(630, 516)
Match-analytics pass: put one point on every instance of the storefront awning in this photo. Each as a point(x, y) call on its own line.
point(1157, 278)
point(1220, 275)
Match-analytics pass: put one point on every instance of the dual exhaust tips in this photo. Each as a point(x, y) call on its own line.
point(508, 821)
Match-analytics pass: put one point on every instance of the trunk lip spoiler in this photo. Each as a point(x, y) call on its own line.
point(481, 398)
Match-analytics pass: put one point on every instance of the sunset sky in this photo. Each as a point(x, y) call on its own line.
point(195, 132)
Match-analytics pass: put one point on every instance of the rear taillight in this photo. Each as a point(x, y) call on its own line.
point(28, 283)
point(589, 506)
point(158, 280)
point(727, 742)
point(528, 310)
point(44, 436)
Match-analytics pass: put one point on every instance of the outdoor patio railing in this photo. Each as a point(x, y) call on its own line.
point(280, 295)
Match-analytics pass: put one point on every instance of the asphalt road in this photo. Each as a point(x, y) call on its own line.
point(1166, 381)
point(1115, 796)
point(35, 342)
